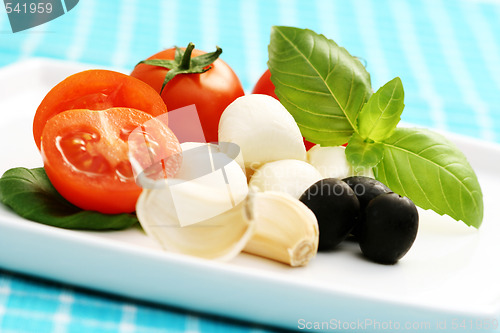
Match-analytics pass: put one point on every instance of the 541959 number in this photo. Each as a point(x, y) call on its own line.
point(38, 7)
point(464, 324)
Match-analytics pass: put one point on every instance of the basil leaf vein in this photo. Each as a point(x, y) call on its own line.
point(433, 173)
point(381, 114)
point(318, 82)
point(363, 155)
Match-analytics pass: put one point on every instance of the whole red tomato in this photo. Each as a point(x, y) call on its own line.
point(211, 91)
point(265, 86)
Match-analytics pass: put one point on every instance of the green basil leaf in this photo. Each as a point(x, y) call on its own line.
point(382, 113)
point(31, 195)
point(433, 173)
point(318, 82)
point(362, 154)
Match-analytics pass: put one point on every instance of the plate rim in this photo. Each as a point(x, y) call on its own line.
point(33, 227)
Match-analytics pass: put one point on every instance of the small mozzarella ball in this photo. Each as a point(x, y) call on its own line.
point(331, 162)
point(263, 129)
point(289, 176)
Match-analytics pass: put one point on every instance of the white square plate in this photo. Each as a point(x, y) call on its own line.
point(449, 281)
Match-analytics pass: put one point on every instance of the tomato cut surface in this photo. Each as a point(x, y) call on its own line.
point(96, 90)
point(211, 91)
point(87, 156)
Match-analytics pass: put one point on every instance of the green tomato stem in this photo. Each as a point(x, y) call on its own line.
point(186, 58)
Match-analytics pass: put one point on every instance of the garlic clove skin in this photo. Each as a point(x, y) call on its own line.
point(331, 162)
point(285, 229)
point(270, 224)
point(263, 129)
point(203, 211)
point(221, 237)
point(209, 180)
point(206, 213)
point(289, 176)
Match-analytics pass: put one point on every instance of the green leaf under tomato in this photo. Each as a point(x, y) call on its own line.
point(31, 195)
point(381, 114)
point(433, 173)
point(362, 154)
point(319, 83)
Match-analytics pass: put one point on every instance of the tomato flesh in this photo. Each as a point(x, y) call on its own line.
point(96, 90)
point(87, 156)
point(211, 92)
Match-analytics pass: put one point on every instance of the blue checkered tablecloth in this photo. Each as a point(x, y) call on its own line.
point(447, 53)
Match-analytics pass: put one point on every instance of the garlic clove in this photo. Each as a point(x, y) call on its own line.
point(285, 229)
point(289, 176)
point(220, 237)
point(263, 129)
point(199, 212)
point(331, 162)
point(272, 225)
point(208, 212)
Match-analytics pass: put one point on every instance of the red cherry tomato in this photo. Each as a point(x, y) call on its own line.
point(86, 156)
point(265, 86)
point(211, 91)
point(96, 90)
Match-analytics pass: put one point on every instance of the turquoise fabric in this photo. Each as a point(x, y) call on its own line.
point(447, 53)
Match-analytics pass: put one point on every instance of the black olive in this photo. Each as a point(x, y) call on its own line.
point(336, 208)
point(366, 188)
point(388, 229)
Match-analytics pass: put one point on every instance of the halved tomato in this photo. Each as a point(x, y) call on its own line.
point(87, 157)
point(96, 90)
